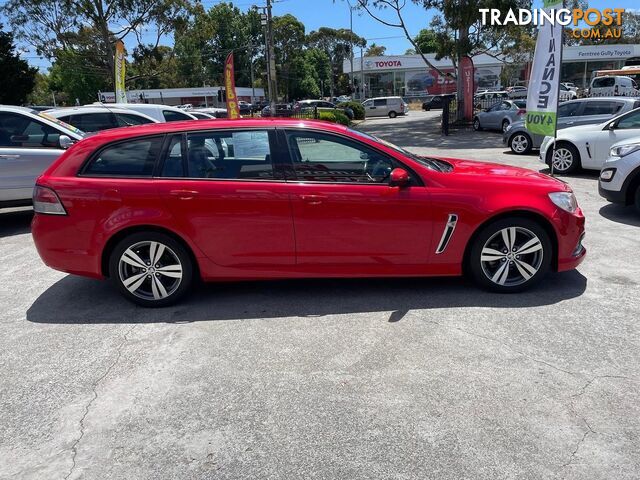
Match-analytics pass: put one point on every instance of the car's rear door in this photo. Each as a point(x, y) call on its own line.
point(27, 147)
point(345, 212)
point(225, 188)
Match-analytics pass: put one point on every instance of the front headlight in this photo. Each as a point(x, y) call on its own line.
point(564, 200)
point(623, 150)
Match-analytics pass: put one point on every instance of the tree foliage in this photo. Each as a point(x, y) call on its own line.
point(374, 50)
point(18, 79)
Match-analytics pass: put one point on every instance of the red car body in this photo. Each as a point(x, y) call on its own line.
point(289, 227)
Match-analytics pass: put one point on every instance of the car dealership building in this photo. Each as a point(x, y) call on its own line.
point(407, 75)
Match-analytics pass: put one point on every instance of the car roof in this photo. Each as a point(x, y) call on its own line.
point(218, 124)
point(89, 109)
point(16, 109)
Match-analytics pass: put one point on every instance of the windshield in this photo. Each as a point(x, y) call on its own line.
point(432, 163)
point(62, 124)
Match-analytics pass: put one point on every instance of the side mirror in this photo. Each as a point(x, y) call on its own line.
point(64, 142)
point(398, 177)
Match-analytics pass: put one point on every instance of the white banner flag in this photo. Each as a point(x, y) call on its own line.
point(542, 97)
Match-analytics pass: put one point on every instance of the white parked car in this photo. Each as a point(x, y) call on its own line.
point(517, 91)
point(620, 175)
point(162, 113)
point(97, 118)
point(29, 142)
point(587, 146)
point(566, 93)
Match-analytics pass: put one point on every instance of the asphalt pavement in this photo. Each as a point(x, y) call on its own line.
point(329, 379)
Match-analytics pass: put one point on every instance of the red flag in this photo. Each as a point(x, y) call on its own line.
point(466, 69)
point(233, 110)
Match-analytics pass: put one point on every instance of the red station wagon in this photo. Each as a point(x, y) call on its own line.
point(153, 207)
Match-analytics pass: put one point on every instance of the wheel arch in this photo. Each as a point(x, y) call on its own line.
point(630, 185)
point(559, 143)
point(529, 215)
point(125, 232)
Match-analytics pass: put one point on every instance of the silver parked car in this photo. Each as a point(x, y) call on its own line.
point(500, 115)
point(29, 142)
point(584, 111)
point(98, 118)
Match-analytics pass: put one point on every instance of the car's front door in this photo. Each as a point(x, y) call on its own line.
point(225, 190)
point(27, 148)
point(345, 212)
point(625, 127)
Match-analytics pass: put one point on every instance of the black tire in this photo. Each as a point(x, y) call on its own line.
point(488, 273)
point(505, 124)
point(636, 201)
point(121, 270)
point(392, 114)
point(476, 124)
point(520, 143)
point(560, 166)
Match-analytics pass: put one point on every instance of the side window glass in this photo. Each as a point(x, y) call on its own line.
point(20, 131)
point(134, 158)
point(568, 109)
point(127, 119)
point(381, 102)
point(93, 122)
point(599, 108)
point(629, 122)
point(239, 155)
point(173, 166)
point(325, 158)
point(171, 116)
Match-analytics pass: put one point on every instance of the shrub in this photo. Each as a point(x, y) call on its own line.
point(358, 109)
point(336, 117)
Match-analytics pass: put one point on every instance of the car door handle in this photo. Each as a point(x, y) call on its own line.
point(313, 199)
point(9, 156)
point(184, 194)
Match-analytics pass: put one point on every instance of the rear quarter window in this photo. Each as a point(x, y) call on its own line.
point(131, 158)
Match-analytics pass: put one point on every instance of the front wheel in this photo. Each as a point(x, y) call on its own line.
point(636, 201)
point(392, 114)
point(476, 124)
point(520, 143)
point(510, 255)
point(565, 158)
point(505, 124)
point(151, 269)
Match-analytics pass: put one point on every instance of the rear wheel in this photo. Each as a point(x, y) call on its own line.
point(510, 255)
point(520, 143)
point(151, 269)
point(637, 198)
point(476, 124)
point(565, 158)
point(392, 114)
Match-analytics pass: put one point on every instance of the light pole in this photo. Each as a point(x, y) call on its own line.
point(351, 44)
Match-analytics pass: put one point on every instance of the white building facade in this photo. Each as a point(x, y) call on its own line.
point(197, 96)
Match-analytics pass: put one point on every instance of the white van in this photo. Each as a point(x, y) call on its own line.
point(384, 106)
point(613, 85)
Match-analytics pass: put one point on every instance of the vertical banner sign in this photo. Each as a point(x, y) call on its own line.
point(121, 94)
point(542, 98)
point(468, 87)
point(230, 85)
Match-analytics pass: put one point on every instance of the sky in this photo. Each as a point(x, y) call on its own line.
point(329, 13)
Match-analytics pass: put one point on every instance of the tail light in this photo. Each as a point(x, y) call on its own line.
point(46, 201)
point(522, 111)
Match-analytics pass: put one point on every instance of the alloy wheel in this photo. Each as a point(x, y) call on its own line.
point(150, 270)
point(519, 143)
point(512, 256)
point(562, 159)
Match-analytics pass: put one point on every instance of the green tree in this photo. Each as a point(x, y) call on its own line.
point(375, 50)
point(289, 42)
point(152, 67)
point(18, 79)
point(52, 26)
point(427, 41)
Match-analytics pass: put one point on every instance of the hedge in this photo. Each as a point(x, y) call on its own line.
point(358, 109)
point(336, 117)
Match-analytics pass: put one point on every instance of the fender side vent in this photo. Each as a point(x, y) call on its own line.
point(447, 233)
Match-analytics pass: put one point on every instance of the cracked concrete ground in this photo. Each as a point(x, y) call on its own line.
point(329, 379)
